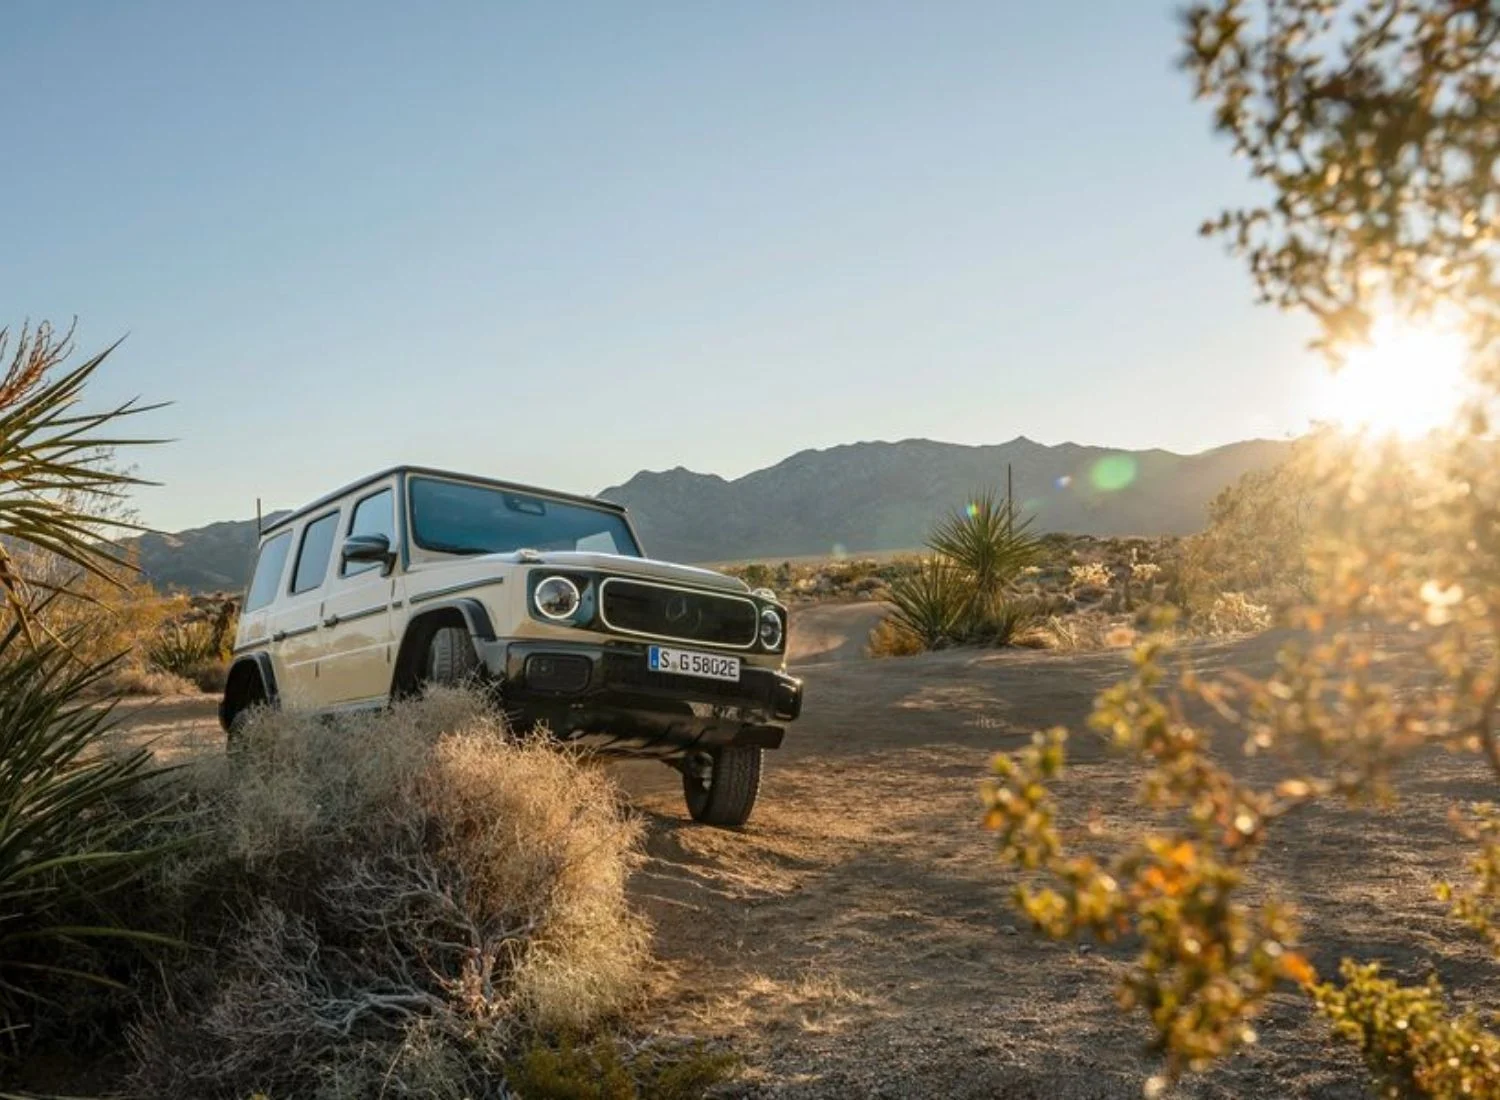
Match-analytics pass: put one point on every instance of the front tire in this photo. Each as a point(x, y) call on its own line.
point(234, 737)
point(721, 789)
point(451, 660)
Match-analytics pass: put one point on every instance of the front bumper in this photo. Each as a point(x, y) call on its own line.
point(605, 695)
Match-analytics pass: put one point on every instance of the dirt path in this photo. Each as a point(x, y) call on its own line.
point(832, 632)
point(856, 939)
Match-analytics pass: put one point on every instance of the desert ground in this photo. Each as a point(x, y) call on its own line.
point(856, 939)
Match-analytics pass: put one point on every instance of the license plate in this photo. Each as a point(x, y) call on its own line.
point(684, 662)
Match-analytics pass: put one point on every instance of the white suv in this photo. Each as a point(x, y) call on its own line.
point(415, 576)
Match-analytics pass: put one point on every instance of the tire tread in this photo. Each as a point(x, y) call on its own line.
point(733, 789)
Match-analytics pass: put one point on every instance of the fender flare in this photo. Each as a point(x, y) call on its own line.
point(476, 618)
point(261, 662)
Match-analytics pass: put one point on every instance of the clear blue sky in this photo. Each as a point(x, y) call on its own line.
point(563, 242)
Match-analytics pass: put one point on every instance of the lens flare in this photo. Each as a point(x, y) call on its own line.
point(972, 509)
point(1064, 481)
point(1113, 473)
point(1405, 382)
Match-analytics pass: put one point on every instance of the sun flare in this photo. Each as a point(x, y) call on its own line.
point(1407, 381)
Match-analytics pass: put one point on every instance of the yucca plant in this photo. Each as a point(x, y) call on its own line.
point(930, 601)
point(987, 544)
point(182, 648)
point(72, 819)
point(1000, 622)
point(58, 496)
point(987, 548)
point(72, 814)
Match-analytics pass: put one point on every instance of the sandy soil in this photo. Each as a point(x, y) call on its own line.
point(855, 939)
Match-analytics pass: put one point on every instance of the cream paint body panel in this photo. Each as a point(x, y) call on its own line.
point(295, 623)
point(253, 629)
point(356, 639)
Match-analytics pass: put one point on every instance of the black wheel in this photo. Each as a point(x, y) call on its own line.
point(234, 737)
point(720, 785)
point(451, 659)
point(243, 695)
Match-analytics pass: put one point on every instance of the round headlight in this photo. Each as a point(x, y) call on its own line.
point(557, 598)
point(770, 629)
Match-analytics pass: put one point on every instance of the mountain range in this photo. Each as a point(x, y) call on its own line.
point(860, 497)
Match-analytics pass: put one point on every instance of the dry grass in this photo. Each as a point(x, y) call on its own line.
point(891, 639)
point(1083, 632)
point(1236, 613)
point(133, 679)
point(399, 903)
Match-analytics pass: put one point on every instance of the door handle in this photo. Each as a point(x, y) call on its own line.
point(279, 636)
point(332, 620)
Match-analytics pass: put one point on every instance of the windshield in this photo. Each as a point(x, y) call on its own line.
point(455, 517)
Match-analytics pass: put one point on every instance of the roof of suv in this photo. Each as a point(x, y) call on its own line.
point(354, 486)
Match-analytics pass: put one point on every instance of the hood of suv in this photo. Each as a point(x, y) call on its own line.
point(620, 565)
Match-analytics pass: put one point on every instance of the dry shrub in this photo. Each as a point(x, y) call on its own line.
point(132, 679)
point(1037, 636)
point(1090, 575)
point(209, 677)
point(600, 1070)
point(1235, 613)
point(106, 615)
point(891, 639)
point(1081, 632)
point(402, 902)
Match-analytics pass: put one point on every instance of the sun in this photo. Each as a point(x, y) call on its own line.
point(1406, 381)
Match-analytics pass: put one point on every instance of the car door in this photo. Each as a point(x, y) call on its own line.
point(296, 620)
point(356, 662)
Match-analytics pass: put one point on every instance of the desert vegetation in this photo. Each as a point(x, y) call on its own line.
point(75, 821)
point(1071, 593)
point(1372, 125)
point(417, 904)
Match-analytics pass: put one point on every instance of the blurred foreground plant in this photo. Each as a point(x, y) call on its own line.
point(1375, 124)
point(58, 494)
point(74, 827)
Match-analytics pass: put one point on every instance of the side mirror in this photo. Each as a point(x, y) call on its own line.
point(368, 549)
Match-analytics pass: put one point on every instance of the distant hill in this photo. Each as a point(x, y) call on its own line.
point(861, 497)
point(215, 558)
point(885, 496)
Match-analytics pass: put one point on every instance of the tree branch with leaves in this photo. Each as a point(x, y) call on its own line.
point(1374, 127)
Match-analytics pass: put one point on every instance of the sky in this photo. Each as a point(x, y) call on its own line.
point(558, 243)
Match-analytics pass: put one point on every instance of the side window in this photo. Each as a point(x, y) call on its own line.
point(312, 558)
point(268, 569)
point(375, 515)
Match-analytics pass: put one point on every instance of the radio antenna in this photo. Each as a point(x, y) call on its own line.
point(257, 517)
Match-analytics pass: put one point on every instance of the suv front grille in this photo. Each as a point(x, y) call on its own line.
point(678, 614)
